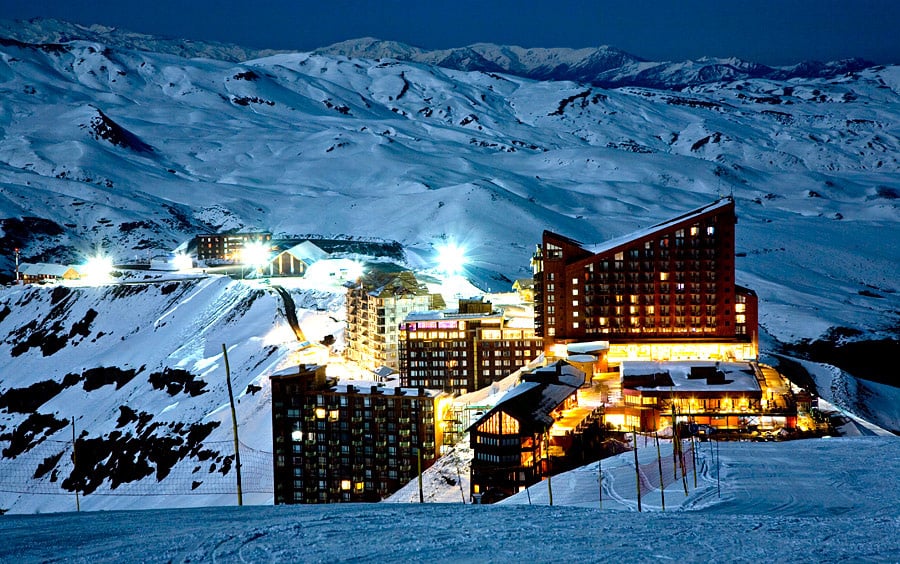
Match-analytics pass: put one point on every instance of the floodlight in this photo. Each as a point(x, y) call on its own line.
point(255, 254)
point(451, 258)
point(97, 267)
point(183, 262)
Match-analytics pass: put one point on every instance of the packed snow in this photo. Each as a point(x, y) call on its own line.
point(815, 500)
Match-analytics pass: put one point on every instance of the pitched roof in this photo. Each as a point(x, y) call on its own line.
point(45, 269)
point(540, 392)
point(668, 224)
point(308, 252)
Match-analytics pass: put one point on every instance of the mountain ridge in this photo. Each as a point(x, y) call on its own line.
point(604, 66)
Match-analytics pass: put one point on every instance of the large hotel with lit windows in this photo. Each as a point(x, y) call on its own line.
point(664, 293)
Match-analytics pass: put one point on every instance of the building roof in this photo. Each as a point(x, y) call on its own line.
point(735, 377)
point(45, 269)
point(308, 252)
point(592, 347)
point(376, 388)
point(541, 391)
point(381, 284)
point(668, 224)
point(295, 370)
point(449, 314)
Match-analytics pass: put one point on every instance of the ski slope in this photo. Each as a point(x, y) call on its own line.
point(826, 502)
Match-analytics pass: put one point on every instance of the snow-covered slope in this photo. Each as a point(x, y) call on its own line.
point(132, 151)
point(48, 30)
point(836, 502)
point(138, 369)
point(603, 66)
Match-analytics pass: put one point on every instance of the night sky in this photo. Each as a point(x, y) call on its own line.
point(775, 32)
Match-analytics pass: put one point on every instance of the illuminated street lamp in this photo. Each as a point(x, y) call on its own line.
point(451, 258)
point(183, 262)
point(254, 255)
point(97, 268)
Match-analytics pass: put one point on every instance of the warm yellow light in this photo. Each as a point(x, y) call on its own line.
point(345, 485)
point(320, 413)
point(560, 351)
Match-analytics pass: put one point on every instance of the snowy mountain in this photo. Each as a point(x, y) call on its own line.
point(139, 371)
point(603, 66)
point(129, 152)
point(48, 30)
point(132, 152)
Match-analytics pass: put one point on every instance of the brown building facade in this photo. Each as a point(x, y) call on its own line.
point(462, 351)
point(376, 305)
point(671, 282)
point(227, 246)
point(348, 443)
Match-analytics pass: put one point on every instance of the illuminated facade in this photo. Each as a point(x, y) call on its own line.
point(531, 432)
point(462, 351)
point(226, 247)
point(376, 305)
point(349, 443)
point(669, 285)
point(735, 397)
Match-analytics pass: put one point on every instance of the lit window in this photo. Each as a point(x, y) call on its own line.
point(575, 325)
point(574, 314)
point(620, 256)
point(663, 275)
point(574, 281)
point(710, 230)
point(345, 485)
point(695, 230)
point(740, 308)
point(574, 303)
point(574, 291)
point(740, 318)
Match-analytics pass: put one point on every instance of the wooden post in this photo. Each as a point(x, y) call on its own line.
point(662, 484)
point(234, 427)
point(421, 492)
point(600, 477)
point(549, 470)
point(637, 471)
point(694, 458)
point(75, 467)
point(718, 482)
point(674, 441)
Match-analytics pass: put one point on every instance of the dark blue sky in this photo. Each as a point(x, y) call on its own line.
point(766, 31)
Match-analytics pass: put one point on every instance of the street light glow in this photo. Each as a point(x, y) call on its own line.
point(451, 258)
point(183, 262)
point(255, 254)
point(97, 268)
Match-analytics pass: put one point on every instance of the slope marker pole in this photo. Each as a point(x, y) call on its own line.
point(234, 427)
